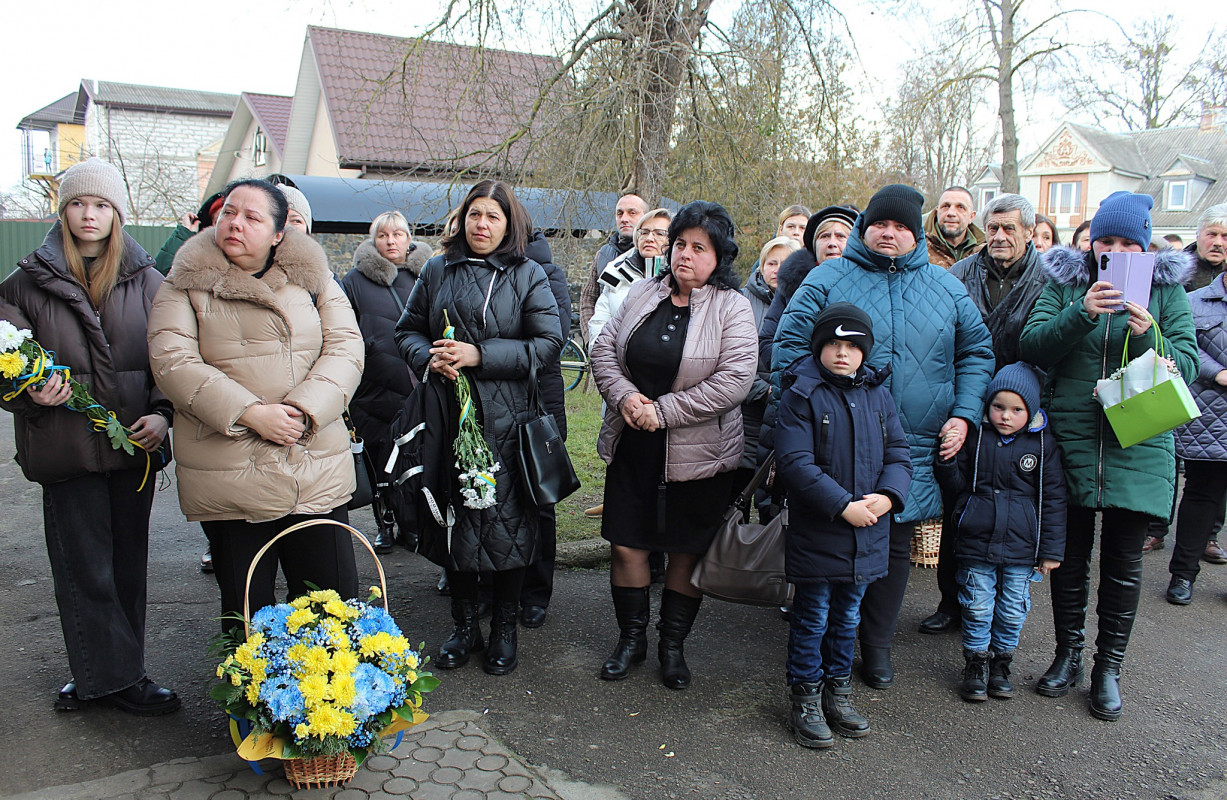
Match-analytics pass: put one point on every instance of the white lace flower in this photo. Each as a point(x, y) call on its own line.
point(10, 337)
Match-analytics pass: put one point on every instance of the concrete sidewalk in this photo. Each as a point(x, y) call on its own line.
point(448, 757)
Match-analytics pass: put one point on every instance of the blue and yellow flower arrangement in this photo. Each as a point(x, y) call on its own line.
point(321, 676)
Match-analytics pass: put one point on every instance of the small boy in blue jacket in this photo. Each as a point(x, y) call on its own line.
point(1009, 507)
point(844, 463)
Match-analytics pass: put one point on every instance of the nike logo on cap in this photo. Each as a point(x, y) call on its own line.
point(839, 331)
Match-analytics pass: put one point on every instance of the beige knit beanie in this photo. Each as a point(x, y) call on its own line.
point(298, 202)
point(97, 178)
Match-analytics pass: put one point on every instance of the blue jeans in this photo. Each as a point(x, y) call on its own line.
point(822, 632)
point(995, 601)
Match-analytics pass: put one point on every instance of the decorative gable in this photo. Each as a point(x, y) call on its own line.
point(1065, 153)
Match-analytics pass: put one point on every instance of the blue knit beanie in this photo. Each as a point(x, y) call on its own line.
point(1126, 215)
point(1020, 378)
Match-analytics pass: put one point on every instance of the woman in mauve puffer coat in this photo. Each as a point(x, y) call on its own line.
point(257, 347)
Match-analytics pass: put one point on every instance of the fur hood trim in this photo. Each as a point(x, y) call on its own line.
point(370, 263)
point(201, 265)
point(1070, 267)
point(792, 273)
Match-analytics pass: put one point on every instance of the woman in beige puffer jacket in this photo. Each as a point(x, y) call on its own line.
point(258, 348)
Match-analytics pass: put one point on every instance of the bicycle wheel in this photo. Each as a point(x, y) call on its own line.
point(574, 365)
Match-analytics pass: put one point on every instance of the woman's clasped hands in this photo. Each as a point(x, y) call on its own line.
point(640, 413)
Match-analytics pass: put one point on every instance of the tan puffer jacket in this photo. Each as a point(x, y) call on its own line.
point(702, 412)
point(222, 340)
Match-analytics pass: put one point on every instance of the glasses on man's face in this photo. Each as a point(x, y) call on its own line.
point(654, 233)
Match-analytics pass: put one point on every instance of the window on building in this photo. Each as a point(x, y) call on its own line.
point(986, 195)
point(1178, 196)
point(259, 148)
point(1065, 197)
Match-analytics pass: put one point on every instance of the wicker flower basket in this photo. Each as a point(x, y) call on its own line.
point(320, 772)
point(926, 542)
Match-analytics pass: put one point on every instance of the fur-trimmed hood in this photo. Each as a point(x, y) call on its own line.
point(1070, 267)
point(201, 265)
point(370, 263)
point(792, 273)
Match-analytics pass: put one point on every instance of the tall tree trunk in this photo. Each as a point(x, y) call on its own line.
point(1005, 99)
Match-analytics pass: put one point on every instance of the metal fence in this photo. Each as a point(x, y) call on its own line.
point(19, 238)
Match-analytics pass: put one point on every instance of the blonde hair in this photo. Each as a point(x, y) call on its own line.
point(787, 242)
point(395, 219)
point(100, 280)
point(656, 213)
point(796, 210)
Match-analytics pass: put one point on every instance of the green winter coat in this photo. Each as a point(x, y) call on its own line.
point(1076, 352)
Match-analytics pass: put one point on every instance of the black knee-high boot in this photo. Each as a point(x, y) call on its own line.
point(1120, 583)
point(677, 614)
point(631, 606)
point(1071, 585)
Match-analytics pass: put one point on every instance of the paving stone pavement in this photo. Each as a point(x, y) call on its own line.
point(448, 757)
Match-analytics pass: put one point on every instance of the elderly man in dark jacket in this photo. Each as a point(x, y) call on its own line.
point(1003, 280)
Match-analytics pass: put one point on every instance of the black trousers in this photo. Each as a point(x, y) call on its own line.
point(97, 530)
point(1200, 516)
point(322, 556)
point(884, 597)
point(505, 585)
point(948, 567)
point(539, 576)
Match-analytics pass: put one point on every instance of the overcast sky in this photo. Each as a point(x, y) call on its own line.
point(46, 50)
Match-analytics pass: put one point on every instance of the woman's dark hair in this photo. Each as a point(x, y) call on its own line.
point(276, 198)
point(519, 224)
point(718, 225)
point(1040, 219)
point(1073, 240)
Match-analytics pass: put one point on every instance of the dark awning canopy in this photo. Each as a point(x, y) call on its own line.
point(347, 205)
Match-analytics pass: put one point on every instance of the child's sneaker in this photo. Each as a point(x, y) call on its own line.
point(809, 727)
point(999, 685)
point(975, 677)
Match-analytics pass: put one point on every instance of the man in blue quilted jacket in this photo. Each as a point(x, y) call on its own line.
point(938, 354)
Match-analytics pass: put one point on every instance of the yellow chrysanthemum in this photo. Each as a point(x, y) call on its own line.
point(253, 693)
point(245, 655)
point(383, 642)
point(340, 609)
point(299, 618)
point(327, 720)
point(236, 679)
point(411, 677)
point(316, 661)
point(343, 690)
point(334, 629)
point(302, 730)
point(323, 595)
point(300, 602)
point(314, 688)
point(344, 662)
point(376, 593)
point(411, 661)
point(297, 652)
point(12, 364)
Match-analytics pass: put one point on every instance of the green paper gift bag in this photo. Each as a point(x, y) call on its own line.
point(1145, 398)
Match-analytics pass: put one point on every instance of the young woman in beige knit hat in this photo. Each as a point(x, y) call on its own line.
point(85, 294)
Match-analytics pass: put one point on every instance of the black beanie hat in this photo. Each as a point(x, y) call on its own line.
point(842, 321)
point(1021, 379)
point(845, 214)
point(898, 202)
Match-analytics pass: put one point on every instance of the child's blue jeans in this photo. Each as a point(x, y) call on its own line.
point(995, 601)
point(822, 633)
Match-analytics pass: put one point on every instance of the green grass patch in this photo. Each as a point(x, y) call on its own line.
point(583, 425)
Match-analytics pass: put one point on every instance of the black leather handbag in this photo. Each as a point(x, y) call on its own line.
point(544, 462)
point(364, 470)
point(745, 563)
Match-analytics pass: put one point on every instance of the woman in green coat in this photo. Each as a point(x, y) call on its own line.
point(1073, 334)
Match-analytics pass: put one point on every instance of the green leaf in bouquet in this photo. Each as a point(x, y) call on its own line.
point(359, 754)
point(405, 712)
point(118, 435)
point(424, 683)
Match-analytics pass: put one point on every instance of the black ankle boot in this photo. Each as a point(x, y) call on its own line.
point(1065, 673)
point(975, 677)
point(999, 685)
point(501, 657)
point(837, 706)
point(876, 669)
point(809, 726)
point(466, 636)
point(631, 606)
point(677, 613)
point(1105, 689)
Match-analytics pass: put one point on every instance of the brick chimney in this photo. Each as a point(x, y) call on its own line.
point(1212, 117)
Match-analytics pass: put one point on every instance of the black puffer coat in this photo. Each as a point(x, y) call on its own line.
point(503, 307)
point(106, 350)
point(1005, 322)
point(759, 294)
point(553, 395)
point(379, 290)
point(792, 273)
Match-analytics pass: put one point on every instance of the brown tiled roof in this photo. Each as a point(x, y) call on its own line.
point(417, 104)
point(272, 112)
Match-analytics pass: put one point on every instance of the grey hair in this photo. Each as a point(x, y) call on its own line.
point(392, 219)
point(1213, 216)
point(1005, 203)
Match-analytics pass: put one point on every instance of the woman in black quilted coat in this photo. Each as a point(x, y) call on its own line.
point(500, 304)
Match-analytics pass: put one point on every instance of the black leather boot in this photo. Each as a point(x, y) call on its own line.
point(1105, 689)
point(809, 726)
point(876, 669)
point(466, 636)
point(999, 685)
point(1070, 589)
point(631, 606)
point(501, 657)
point(837, 706)
point(975, 677)
point(677, 613)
